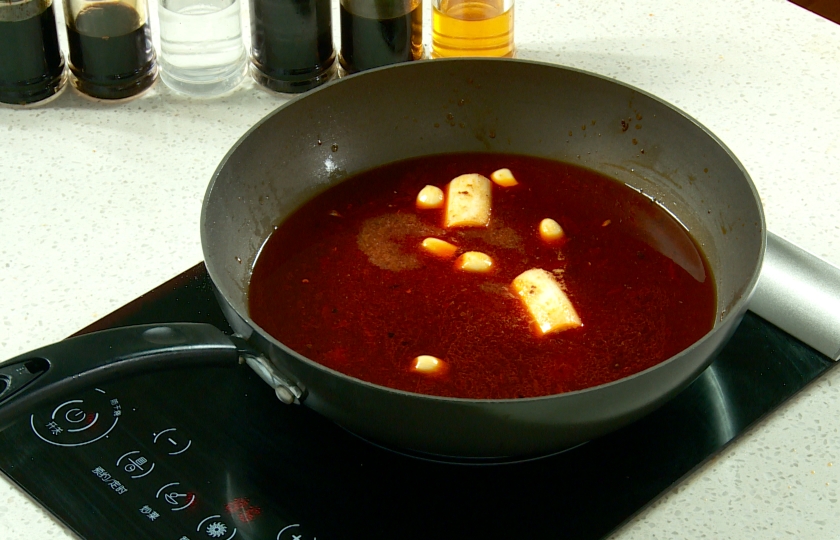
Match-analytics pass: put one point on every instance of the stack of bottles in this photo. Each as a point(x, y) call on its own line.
point(202, 53)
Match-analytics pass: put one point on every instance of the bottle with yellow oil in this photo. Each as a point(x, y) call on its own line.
point(472, 28)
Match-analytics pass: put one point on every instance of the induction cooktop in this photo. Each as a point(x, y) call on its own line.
point(212, 454)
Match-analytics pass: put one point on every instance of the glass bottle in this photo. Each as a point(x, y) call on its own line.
point(376, 33)
point(31, 63)
point(472, 28)
point(111, 52)
point(291, 44)
point(201, 49)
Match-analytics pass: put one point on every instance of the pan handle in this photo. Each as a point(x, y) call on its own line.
point(800, 293)
point(80, 362)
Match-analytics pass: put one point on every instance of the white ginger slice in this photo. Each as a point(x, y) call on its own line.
point(550, 230)
point(430, 197)
point(468, 201)
point(504, 178)
point(548, 305)
point(474, 261)
point(439, 248)
point(429, 365)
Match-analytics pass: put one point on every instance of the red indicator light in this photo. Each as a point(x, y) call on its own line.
point(89, 418)
point(237, 504)
point(242, 509)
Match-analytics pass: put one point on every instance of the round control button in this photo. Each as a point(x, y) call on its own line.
point(215, 527)
point(175, 496)
point(172, 441)
point(293, 532)
point(77, 422)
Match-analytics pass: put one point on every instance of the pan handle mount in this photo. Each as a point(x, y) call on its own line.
point(285, 390)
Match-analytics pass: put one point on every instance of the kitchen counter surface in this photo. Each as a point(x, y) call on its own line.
point(101, 203)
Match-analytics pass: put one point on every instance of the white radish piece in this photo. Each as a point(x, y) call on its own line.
point(549, 307)
point(429, 365)
point(550, 230)
point(504, 178)
point(474, 261)
point(430, 197)
point(468, 201)
point(439, 248)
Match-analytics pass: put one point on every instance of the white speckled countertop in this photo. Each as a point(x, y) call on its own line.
point(101, 203)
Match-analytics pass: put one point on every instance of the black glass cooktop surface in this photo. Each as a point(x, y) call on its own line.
point(212, 454)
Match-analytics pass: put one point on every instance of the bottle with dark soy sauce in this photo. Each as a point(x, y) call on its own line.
point(111, 52)
point(291, 44)
point(377, 33)
point(31, 64)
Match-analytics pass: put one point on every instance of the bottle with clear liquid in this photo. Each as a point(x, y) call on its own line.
point(31, 64)
point(111, 52)
point(377, 33)
point(201, 49)
point(472, 28)
point(291, 44)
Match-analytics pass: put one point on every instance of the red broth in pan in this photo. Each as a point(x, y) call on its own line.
point(346, 282)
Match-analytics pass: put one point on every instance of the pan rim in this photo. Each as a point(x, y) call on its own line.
point(735, 310)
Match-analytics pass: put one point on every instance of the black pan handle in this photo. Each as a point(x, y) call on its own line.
point(81, 362)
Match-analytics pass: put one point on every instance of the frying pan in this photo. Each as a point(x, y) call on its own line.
point(412, 110)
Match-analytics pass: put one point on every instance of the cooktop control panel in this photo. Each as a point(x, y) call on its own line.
point(143, 467)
